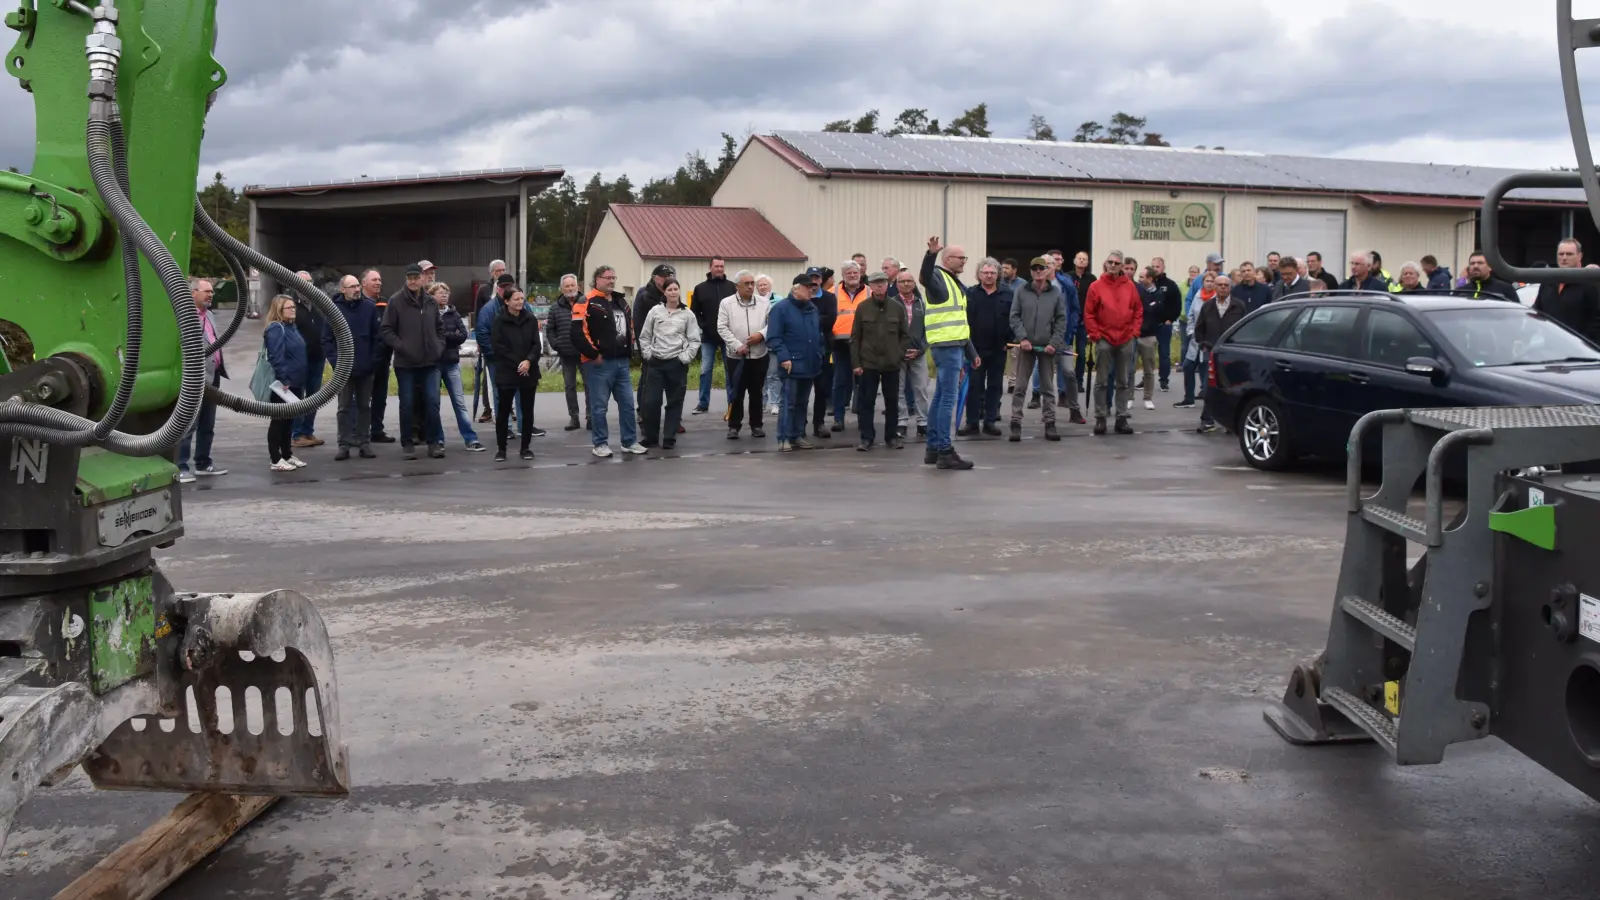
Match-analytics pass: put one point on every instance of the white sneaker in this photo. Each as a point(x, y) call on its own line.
point(185, 476)
point(635, 448)
point(772, 410)
point(602, 451)
point(297, 462)
point(1130, 404)
point(1149, 404)
point(283, 465)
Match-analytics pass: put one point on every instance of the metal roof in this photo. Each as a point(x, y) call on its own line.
point(834, 153)
point(701, 232)
point(492, 176)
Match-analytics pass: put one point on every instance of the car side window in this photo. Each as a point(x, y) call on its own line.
point(1391, 339)
point(1259, 330)
point(1324, 330)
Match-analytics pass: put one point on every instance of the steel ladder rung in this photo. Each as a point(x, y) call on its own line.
point(1396, 522)
point(1381, 728)
point(1380, 620)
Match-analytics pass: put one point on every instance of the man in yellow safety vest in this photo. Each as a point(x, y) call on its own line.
point(950, 341)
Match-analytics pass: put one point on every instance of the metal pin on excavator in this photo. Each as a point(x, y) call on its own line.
point(1495, 630)
point(102, 663)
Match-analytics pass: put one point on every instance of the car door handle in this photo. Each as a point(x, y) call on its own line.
point(1283, 366)
point(1360, 378)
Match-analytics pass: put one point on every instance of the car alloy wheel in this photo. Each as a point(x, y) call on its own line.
point(1261, 436)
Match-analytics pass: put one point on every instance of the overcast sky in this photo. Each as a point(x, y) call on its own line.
point(328, 89)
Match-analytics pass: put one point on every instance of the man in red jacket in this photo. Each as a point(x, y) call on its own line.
point(1113, 315)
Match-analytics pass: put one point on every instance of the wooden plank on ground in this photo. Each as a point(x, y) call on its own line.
point(145, 866)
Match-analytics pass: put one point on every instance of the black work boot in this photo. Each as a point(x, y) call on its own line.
point(1099, 424)
point(991, 429)
point(930, 457)
point(1077, 418)
point(950, 459)
point(1122, 425)
point(572, 424)
point(1016, 432)
point(1034, 403)
point(967, 430)
point(1050, 432)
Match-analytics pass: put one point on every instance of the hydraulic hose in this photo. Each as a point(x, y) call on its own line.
point(134, 342)
point(43, 423)
point(344, 343)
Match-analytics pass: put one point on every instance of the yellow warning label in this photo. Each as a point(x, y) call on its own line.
point(1391, 697)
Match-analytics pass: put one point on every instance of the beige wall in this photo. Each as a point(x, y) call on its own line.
point(831, 218)
point(612, 247)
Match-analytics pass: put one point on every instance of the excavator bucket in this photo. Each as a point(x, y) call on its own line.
point(242, 700)
point(259, 711)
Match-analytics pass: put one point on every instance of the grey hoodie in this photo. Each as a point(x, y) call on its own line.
point(1040, 318)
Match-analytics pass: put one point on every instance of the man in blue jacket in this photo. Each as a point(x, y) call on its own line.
point(355, 401)
point(794, 339)
point(1438, 276)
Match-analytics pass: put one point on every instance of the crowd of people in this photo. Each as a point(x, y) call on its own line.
point(804, 357)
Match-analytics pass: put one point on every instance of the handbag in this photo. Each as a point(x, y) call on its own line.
point(262, 378)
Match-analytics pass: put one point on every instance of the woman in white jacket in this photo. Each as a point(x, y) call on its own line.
point(669, 340)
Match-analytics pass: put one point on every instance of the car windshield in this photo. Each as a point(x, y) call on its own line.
point(1504, 335)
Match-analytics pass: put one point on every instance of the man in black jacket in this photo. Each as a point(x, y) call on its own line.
point(645, 299)
point(1211, 323)
point(559, 331)
point(1482, 284)
point(410, 330)
point(602, 333)
point(1170, 311)
point(989, 318)
point(308, 321)
point(1576, 306)
point(704, 303)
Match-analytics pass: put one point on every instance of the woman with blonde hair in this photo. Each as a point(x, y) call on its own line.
point(286, 352)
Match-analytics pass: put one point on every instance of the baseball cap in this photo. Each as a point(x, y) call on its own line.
point(663, 269)
point(877, 277)
point(813, 272)
point(803, 278)
point(413, 269)
point(505, 279)
point(1214, 259)
point(425, 265)
point(1045, 261)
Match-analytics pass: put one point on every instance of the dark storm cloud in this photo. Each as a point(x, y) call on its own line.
point(342, 88)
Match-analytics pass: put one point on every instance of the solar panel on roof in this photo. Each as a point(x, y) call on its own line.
point(1072, 161)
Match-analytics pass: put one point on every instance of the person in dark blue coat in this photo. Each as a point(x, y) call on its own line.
point(286, 352)
point(794, 338)
point(355, 401)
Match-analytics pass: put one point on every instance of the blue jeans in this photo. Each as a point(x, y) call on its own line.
point(602, 380)
point(942, 409)
point(1164, 347)
point(774, 386)
point(708, 362)
point(792, 411)
point(306, 425)
point(426, 380)
point(844, 379)
point(450, 373)
point(199, 437)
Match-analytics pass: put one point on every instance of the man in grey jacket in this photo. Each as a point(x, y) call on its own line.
point(411, 331)
point(198, 440)
point(1039, 325)
point(914, 372)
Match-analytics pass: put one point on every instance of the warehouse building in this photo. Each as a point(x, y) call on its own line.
point(832, 195)
point(459, 221)
point(634, 239)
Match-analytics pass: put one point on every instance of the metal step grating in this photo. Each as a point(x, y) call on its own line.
point(1381, 621)
point(1383, 729)
point(1397, 522)
point(1465, 417)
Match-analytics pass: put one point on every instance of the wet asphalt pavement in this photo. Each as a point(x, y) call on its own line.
point(730, 673)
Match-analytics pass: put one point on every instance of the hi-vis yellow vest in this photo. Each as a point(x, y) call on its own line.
point(947, 322)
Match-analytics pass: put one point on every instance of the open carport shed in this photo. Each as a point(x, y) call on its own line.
point(460, 221)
